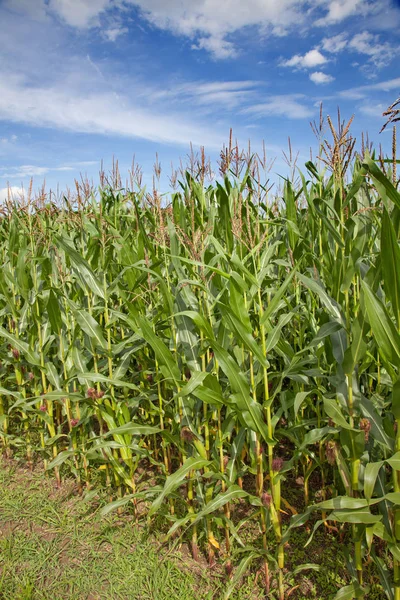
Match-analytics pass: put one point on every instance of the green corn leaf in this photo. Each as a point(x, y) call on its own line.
point(396, 400)
point(54, 312)
point(273, 305)
point(91, 327)
point(383, 183)
point(232, 493)
point(385, 333)
point(245, 404)
point(31, 356)
point(242, 333)
point(164, 356)
point(394, 461)
point(194, 382)
point(348, 592)
point(240, 570)
point(298, 401)
point(390, 258)
point(370, 476)
point(369, 411)
point(60, 459)
point(333, 411)
point(393, 497)
point(133, 429)
point(99, 378)
point(330, 304)
point(175, 480)
point(88, 278)
point(111, 506)
point(356, 351)
point(361, 516)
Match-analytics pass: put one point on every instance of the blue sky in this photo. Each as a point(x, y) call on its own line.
point(86, 80)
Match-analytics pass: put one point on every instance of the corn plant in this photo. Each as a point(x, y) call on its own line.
point(193, 357)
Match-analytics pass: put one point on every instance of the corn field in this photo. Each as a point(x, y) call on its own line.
point(196, 355)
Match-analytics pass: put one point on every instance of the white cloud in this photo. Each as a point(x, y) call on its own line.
point(218, 47)
point(8, 140)
point(209, 24)
point(342, 9)
point(281, 106)
point(103, 112)
point(22, 171)
point(79, 13)
point(225, 93)
point(212, 24)
point(113, 33)
point(319, 78)
point(217, 20)
point(373, 110)
point(335, 44)
point(357, 93)
point(380, 54)
point(13, 192)
point(34, 9)
point(312, 58)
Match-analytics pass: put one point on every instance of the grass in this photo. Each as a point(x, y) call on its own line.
point(55, 546)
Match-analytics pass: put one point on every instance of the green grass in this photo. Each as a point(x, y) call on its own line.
point(55, 546)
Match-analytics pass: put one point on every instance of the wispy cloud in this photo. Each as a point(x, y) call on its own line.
point(373, 110)
point(357, 93)
point(8, 140)
point(289, 106)
point(23, 171)
point(98, 112)
point(228, 94)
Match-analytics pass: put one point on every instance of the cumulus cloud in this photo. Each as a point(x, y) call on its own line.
point(319, 78)
point(312, 58)
point(212, 24)
point(209, 24)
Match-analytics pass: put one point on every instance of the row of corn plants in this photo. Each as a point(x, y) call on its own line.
point(194, 356)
